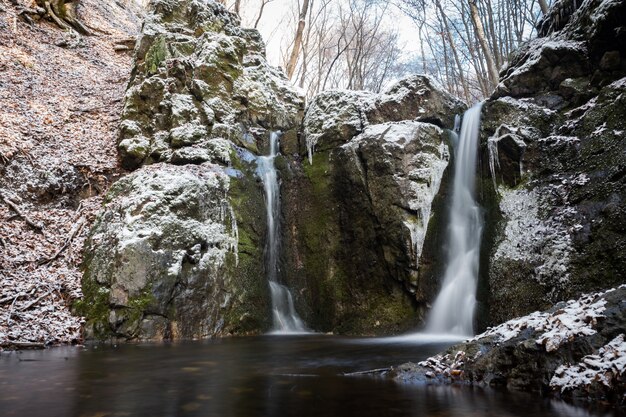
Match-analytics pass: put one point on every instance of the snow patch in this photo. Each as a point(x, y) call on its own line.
point(575, 318)
point(537, 238)
point(605, 367)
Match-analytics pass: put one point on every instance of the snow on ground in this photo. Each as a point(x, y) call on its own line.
point(58, 131)
point(604, 368)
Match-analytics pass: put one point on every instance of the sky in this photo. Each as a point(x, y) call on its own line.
point(280, 11)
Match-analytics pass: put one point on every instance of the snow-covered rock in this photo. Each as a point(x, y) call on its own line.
point(162, 257)
point(177, 251)
point(575, 349)
point(361, 199)
point(334, 117)
point(196, 68)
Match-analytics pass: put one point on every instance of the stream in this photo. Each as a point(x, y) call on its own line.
point(245, 377)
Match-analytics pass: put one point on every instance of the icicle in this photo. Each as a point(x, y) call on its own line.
point(494, 159)
point(311, 141)
point(234, 233)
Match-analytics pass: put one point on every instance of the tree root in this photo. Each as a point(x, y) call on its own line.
point(37, 227)
point(61, 12)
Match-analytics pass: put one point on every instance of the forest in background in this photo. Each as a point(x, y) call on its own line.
point(348, 44)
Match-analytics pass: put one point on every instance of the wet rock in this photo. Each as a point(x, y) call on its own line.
point(335, 117)
point(162, 257)
point(358, 211)
point(177, 252)
point(574, 350)
point(553, 175)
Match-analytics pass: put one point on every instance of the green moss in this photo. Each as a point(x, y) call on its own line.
point(213, 26)
point(137, 306)
point(250, 312)
point(156, 55)
point(94, 306)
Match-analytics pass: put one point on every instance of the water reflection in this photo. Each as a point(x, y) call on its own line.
point(243, 377)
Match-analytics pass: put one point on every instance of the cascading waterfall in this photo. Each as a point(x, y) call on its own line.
point(453, 311)
point(285, 318)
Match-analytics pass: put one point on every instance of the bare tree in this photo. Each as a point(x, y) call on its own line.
point(297, 43)
point(260, 14)
point(480, 34)
point(469, 40)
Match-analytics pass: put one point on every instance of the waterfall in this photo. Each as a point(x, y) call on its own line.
point(285, 318)
point(453, 311)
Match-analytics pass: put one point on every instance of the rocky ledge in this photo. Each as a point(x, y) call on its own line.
point(177, 250)
point(575, 350)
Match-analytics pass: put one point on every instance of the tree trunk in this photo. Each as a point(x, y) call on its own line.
point(543, 4)
point(63, 13)
point(455, 54)
point(297, 43)
point(258, 18)
point(480, 33)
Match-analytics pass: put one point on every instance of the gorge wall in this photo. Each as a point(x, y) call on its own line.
point(177, 251)
point(554, 164)
point(359, 191)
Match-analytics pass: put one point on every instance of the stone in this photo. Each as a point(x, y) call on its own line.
point(358, 212)
point(610, 61)
point(165, 248)
point(197, 68)
point(335, 117)
point(537, 353)
point(553, 175)
point(177, 251)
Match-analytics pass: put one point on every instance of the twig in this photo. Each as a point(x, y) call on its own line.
point(11, 308)
point(75, 230)
point(22, 345)
point(369, 372)
point(4, 300)
point(16, 209)
point(32, 303)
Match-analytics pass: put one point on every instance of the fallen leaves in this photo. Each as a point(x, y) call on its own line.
point(59, 111)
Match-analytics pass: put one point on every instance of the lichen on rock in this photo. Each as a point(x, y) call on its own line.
point(554, 148)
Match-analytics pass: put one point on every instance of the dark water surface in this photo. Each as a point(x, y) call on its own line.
point(244, 377)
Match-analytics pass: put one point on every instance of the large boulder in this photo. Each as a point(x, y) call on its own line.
point(576, 350)
point(177, 251)
point(553, 146)
point(359, 209)
point(334, 117)
point(163, 257)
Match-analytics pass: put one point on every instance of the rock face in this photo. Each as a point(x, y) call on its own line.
point(574, 350)
point(554, 149)
point(358, 210)
point(177, 250)
point(199, 79)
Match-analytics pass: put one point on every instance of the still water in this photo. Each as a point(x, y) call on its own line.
point(296, 376)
